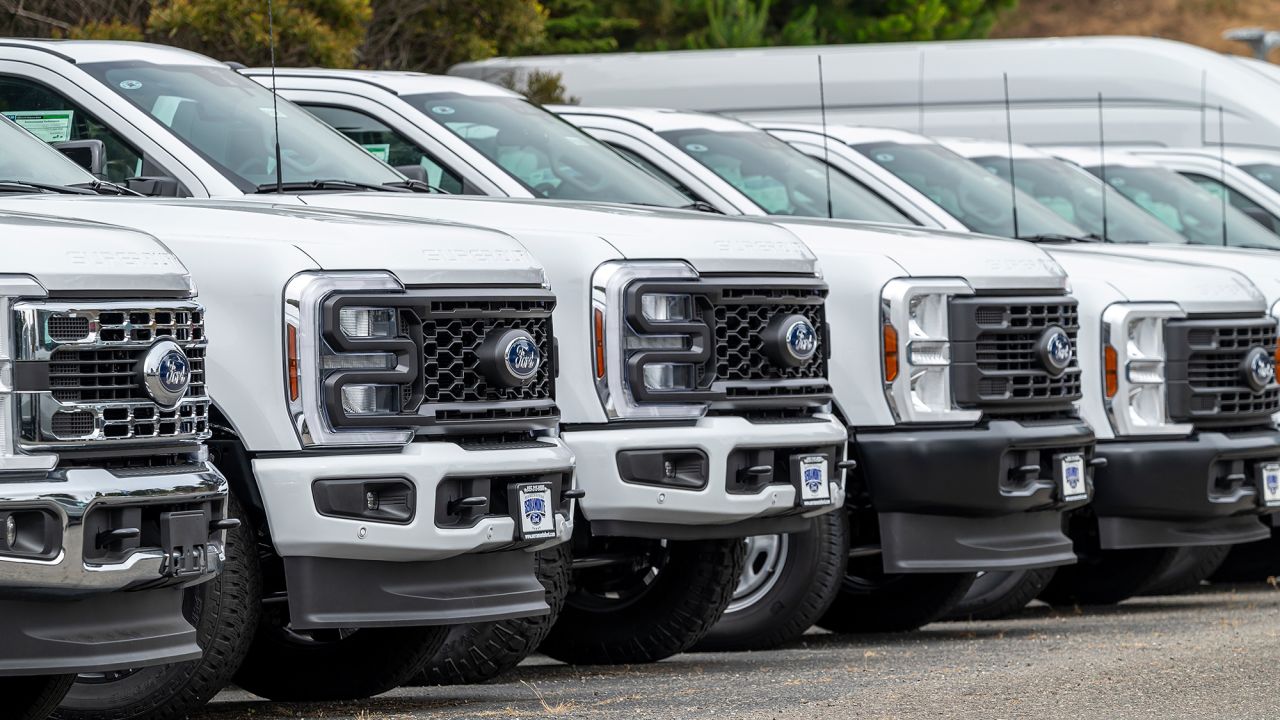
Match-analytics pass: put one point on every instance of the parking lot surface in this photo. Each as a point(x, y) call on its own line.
point(1209, 654)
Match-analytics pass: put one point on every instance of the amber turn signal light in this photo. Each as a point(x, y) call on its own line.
point(890, 353)
point(1111, 368)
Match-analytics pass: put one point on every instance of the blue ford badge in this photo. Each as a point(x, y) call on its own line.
point(1259, 369)
point(166, 373)
point(802, 340)
point(522, 357)
point(1055, 350)
point(535, 510)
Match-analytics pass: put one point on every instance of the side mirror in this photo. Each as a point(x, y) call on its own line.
point(88, 154)
point(413, 172)
point(155, 186)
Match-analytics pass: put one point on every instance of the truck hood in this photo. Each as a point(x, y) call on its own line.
point(419, 253)
point(73, 255)
point(987, 263)
point(1197, 288)
point(1261, 267)
point(711, 243)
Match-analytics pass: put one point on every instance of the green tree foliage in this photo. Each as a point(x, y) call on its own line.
point(308, 32)
point(431, 35)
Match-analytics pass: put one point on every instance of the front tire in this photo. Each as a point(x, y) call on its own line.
point(649, 600)
point(1251, 562)
point(1105, 577)
point(787, 583)
point(1190, 566)
point(480, 652)
point(870, 600)
point(32, 698)
point(995, 595)
point(223, 610)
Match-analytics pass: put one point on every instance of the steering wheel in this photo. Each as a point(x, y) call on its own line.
point(559, 166)
point(977, 206)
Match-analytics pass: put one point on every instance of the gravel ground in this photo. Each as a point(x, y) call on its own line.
point(1211, 654)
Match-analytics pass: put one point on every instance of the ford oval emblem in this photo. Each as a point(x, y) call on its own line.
point(523, 357)
point(1259, 368)
point(802, 340)
point(1055, 350)
point(166, 373)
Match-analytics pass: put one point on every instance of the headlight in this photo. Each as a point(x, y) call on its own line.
point(351, 368)
point(652, 350)
point(11, 459)
point(1133, 361)
point(916, 349)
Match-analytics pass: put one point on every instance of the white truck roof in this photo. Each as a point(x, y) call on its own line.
point(397, 82)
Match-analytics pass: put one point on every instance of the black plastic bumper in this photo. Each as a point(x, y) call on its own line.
point(986, 497)
point(333, 593)
point(107, 631)
point(1201, 490)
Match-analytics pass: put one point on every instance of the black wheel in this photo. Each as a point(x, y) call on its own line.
point(870, 600)
point(638, 601)
point(287, 665)
point(1105, 577)
point(999, 594)
point(1190, 566)
point(787, 583)
point(224, 612)
point(1251, 562)
point(483, 651)
point(32, 698)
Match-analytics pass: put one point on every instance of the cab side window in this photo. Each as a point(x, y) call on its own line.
point(388, 145)
point(52, 118)
point(1238, 201)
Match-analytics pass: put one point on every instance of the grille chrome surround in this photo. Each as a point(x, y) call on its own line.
point(1203, 369)
point(79, 382)
point(996, 363)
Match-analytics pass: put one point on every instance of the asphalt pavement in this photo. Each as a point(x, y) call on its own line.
point(1210, 654)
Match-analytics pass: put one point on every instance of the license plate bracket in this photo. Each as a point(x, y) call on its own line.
point(1269, 479)
point(532, 509)
point(1072, 477)
point(184, 536)
point(810, 473)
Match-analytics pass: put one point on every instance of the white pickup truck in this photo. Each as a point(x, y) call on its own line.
point(109, 506)
point(699, 411)
point(1217, 430)
point(928, 533)
point(386, 416)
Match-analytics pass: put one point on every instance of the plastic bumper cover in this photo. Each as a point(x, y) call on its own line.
point(1201, 490)
point(988, 497)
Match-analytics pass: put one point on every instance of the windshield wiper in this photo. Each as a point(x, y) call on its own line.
point(24, 186)
point(702, 206)
point(416, 186)
point(1058, 238)
point(102, 187)
point(303, 186)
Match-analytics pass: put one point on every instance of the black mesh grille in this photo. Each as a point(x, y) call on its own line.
point(997, 365)
point(740, 316)
point(67, 327)
point(453, 332)
point(1206, 374)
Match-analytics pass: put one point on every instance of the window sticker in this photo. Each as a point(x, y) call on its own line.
point(442, 110)
point(696, 148)
point(130, 84)
point(50, 126)
point(382, 151)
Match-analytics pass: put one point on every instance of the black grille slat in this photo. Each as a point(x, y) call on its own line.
point(1207, 385)
point(996, 363)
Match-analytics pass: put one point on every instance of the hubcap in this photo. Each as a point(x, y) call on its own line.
point(766, 556)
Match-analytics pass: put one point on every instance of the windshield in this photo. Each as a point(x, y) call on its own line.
point(975, 197)
point(1268, 173)
point(1188, 209)
point(779, 179)
point(25, 158)
point(228, 119)
point(546, 154)
point(1076, 196)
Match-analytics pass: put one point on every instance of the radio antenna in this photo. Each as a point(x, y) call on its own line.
point(1222, 172)
point(275, 112)
point(1204, 106)
point(1008, 134)
point(920, 95)
point(826, 157)
point(1102, 165)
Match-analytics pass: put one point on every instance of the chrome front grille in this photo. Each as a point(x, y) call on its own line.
point(996, 357)
point(1206, 374)
point(78, 372)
